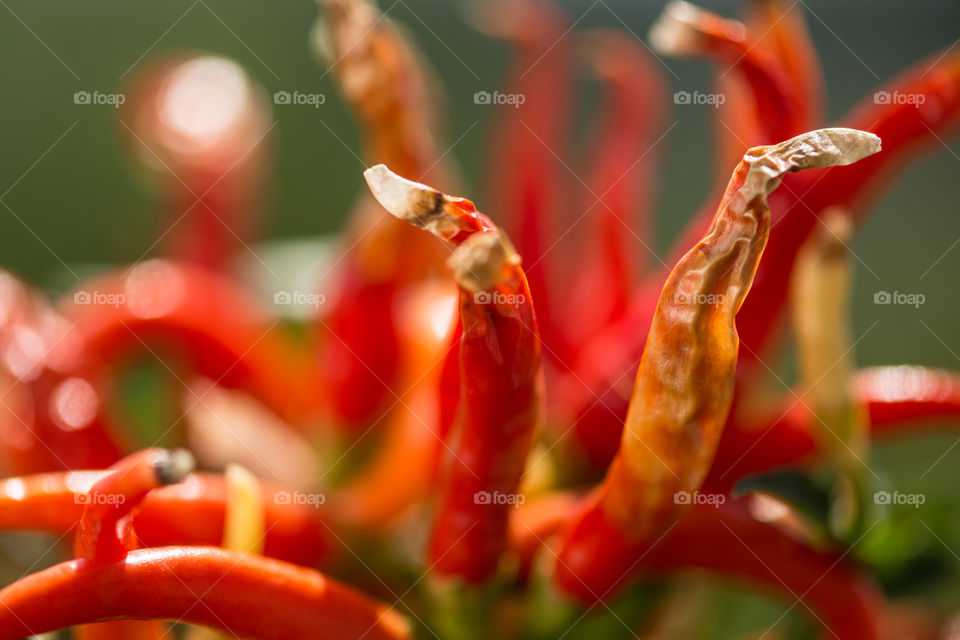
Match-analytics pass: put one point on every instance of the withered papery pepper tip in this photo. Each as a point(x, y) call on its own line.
point(816, 149)
point(412, 202)
point(408, 200)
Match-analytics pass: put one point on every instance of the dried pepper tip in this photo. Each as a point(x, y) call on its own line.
point(483, 261)
point(819, 149)
point(422, 206)
point(172, 466)
point(676, 31)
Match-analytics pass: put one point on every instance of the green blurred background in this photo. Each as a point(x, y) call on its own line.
point(73, 193)
point(84, 201)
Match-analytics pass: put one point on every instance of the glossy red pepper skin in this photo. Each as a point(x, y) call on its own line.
point(236, 593)
point(499, 404)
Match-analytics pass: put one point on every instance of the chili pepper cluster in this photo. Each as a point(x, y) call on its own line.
point(477, 433)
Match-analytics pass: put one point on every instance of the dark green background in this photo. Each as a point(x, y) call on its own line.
point(86, 203)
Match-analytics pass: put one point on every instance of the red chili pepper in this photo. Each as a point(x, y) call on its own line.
point(241, 594)
point(779, 27)
point(685, 382)
point(105, 535)
point(737, 539)
point(189, 513)
point(499, 372)
point(905, 129)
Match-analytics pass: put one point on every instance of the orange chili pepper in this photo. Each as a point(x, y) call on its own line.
point(684, 386)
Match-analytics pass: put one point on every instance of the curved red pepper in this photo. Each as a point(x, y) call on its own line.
point(236, 593)
point(906, 130)
point(188, 513)
point(207, 319)
point(687, 30)
point(499, 372)
point(115, 495)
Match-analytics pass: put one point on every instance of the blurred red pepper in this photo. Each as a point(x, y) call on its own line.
point(381, 79)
